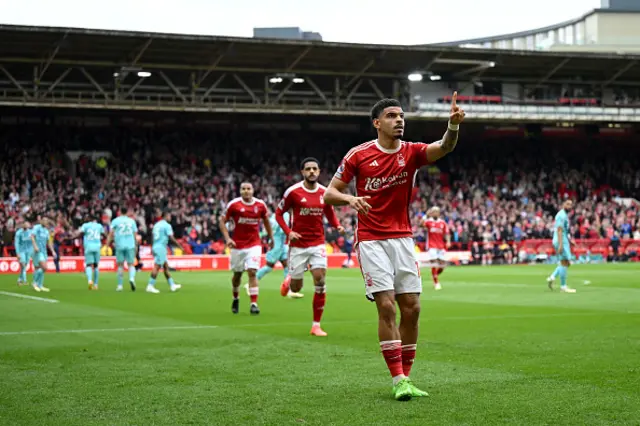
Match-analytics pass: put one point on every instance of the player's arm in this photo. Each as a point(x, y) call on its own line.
point(447, 237)
point(222, 223)
point(176, 242)
point(33, 241)
point(330, 213)
point(447, 144)
point(335, 196)
point(51, 249)
point(560, 245)
point(284, 206)
point(109, 238)
point(269, 229)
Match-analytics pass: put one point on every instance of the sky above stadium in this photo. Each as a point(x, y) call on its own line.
point(356, 21)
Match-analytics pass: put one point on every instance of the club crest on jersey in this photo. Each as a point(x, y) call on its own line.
point(401, 161)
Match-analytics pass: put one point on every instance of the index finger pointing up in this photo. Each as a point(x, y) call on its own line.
point(453, 99)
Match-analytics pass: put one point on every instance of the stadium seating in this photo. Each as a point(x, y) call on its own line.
point(489, 190)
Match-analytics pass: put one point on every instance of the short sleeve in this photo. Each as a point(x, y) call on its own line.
point(285, 204)
point(83, 228)
point(227, 212)
point(419, 152)
point(135, 226)
point(265, 212)
point(347, 169)
point(169, 230)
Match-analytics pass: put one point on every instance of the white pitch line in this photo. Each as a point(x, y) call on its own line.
point(105, 330)
point(229, 326)
point(25, 296)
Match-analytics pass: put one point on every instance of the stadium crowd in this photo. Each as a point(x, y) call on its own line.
point(507, 189)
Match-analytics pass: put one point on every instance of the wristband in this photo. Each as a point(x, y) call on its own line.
point(453, 127)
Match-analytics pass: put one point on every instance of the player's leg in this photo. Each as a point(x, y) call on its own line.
point(96, 269)
point(120, 263)
point(408, 287)
point(377, 271)
point(565, 263)
point(24, 265)
point(319, 300)
point(173, 286)
point(43, 270)
point(88, 267)
point(151, 286)
point(238, 259)
point(272, 257)
point(131, 263)
point(298, 259)
point(252, 263)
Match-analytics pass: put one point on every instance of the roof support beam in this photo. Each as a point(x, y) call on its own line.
point(282, 92)
point(14, 81)
point(51, 57)
point(375, 88)
point(299, 58)
point(133, 88)
point(172, 86)
point(214, 64)
point(353, 90)
point(214, 85)
point(620, 72)
point(56, 82)
point(360, 73)
point(95, 83)
point(552, 72)
point(247, 88)
point(141, 51)
point(315, 87)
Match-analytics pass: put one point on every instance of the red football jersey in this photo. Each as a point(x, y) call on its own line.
point(436, 232)
point(308, 208)
point(246, 217)
point(387, 176)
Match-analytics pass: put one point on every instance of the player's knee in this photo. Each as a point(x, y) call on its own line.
point(321, 288)
point(251, 273)
point(387, 310)
point(411, 311)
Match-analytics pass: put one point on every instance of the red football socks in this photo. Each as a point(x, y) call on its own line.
point(319, 300)
point(408, 355)
point(392, 353)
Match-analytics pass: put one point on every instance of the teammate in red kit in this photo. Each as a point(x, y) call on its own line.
point(306, 236)
point(246, 213)
point(384, 172)
point(437, 243)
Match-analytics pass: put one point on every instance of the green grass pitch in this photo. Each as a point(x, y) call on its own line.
point(496, 347)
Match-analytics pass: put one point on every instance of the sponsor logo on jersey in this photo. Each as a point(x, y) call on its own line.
point(377, 183)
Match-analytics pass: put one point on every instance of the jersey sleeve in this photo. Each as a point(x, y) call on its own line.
point(228, 212)
point(330, 213)
point(265, 212)
point(347, 169)
point(83, 228)
point(419, 152)
point(169, 230)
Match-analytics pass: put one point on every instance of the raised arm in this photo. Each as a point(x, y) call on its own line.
point(439, 149)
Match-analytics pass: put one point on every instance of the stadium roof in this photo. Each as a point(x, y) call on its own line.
point(526, 33)
point(102, 48)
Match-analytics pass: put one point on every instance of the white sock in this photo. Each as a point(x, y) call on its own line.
point(397, 378)
point(315, 324)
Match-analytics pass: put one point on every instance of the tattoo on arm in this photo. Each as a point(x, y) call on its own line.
point(449, 140)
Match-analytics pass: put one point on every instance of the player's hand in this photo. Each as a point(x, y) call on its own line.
point(457, 114)
point(360, 204)
point(270, 243)
point(340, 230)
point(294, 236)
point(560, 249)
point(231, 243)
point(448, 245)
